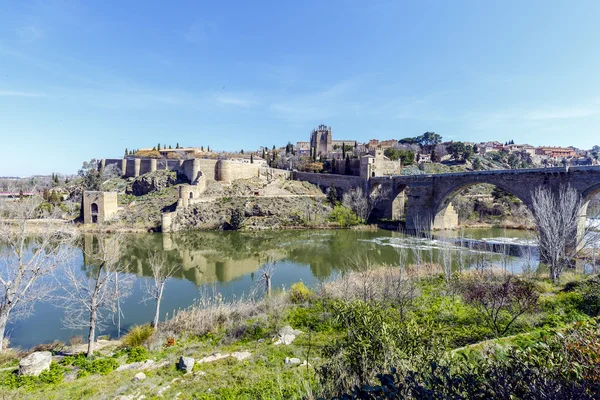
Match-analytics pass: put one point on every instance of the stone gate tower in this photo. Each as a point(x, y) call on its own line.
point(98, 207)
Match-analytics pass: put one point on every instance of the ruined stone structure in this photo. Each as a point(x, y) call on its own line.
point(99, 207)
point(426, 199)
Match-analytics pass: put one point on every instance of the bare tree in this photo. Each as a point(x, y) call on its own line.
point(355, 200)
point(30, 249)
point(363, 205)
point(161, 270)
point(500, 299)
point(265, 274)
point(557, 217)
point(91, 296)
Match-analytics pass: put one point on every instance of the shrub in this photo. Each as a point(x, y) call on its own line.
point(375, 340)
point(560, 366)
point(344, 217)
point(237, 219)
point(101, 366)
point(55, 374)
point(137, 354)
point(76, 340)
point(500, 299)
point(52, 347)
point(137, 336)
point(299, 293)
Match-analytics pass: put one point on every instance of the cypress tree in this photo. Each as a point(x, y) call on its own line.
point(343, 150)
point(158, 147)
point(251, 158)
point(347, 168)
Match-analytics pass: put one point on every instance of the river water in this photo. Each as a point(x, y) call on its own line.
point(229, 262)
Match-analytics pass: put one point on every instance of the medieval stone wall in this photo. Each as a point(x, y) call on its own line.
point(227, 171)
point(342, 183)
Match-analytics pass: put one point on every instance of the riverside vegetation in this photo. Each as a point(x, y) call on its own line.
point(406, 331)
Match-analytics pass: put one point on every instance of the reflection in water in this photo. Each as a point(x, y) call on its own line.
point(229, 260)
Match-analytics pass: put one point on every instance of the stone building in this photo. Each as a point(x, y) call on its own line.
point(556, 152)
point(99, 207)
point(322, 143)
point(321, 140)
point(377, 164)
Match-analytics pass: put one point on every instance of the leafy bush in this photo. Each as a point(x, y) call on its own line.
point(101, 366)
point(562, 365)
point(375, 340)
point(10, 379)
point(344, 217)
point(138, 335)
point(55, 374)
point(137, 354)
point(299, 293)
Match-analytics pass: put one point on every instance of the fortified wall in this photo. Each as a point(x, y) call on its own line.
point(342, 183)
point(134, 167)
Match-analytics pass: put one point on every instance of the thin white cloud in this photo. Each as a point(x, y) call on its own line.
point(567, 112)
point(236, 100)
point(13, 93)
point(325, 103)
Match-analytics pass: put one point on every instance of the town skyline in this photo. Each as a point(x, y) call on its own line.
point(80, 80)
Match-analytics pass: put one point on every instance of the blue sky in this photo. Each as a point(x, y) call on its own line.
point(82, 80)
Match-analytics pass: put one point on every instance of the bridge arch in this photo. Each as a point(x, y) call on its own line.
point(388, 200)
point(587, 195)
point(445, 216)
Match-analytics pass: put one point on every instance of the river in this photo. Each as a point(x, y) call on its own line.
point(229, 262)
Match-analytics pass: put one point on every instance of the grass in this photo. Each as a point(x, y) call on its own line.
point(137, 336)
point(425, 302)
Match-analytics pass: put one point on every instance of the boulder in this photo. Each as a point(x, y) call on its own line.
point(151, 182)
point(140, 376)
point(148, 364)
point(213, 357)
point(287, 335)
point(186, 364)
point(292, 360)
point(241, 355)
point(35, 363)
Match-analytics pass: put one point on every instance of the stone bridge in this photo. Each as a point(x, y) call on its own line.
point(425, 200)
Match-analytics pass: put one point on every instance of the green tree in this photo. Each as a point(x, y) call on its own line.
point(242, 151)
point(126, 152)
point(344, 150)
point(177, 145)
point(251, 158)
point(428, 140)
point(92, 178)
point(332, 196)
point(158, 147)
point(347, 167)
point(467, 153)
